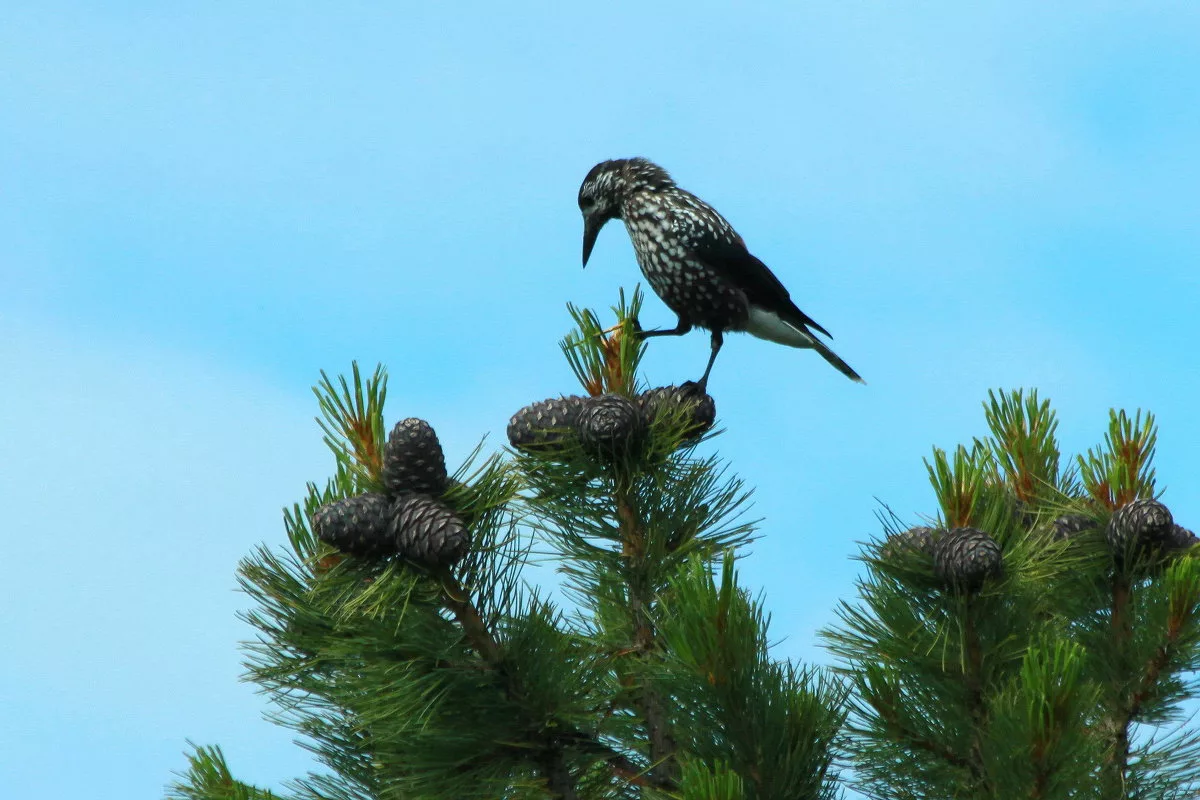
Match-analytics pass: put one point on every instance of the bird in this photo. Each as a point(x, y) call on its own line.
point(695, 261)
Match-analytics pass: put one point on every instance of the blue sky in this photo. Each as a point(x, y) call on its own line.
point(203, 205)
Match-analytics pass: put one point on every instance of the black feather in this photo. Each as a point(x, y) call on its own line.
point(742, 269)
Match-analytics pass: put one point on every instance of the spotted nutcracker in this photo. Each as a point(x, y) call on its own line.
point(694, 260)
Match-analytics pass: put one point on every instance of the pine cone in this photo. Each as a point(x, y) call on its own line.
point(426, 531)
point(965, 557)
point(1071, 525)
point(1181, 538)
point(913, 540)
point(1024, 513)
point(544, 424)
point(1140, 526)
point(665, 398)
point(413, 460)
point(356, 525)
point(609, 425)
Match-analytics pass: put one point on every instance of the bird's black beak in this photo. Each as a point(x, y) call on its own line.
point(591, 229)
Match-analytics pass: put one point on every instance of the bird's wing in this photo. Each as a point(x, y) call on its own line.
point(712, 240)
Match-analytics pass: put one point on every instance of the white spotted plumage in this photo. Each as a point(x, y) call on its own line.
point(694, 260)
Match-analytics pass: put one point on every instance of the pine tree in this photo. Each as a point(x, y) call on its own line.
point(399, 633)
point(1037, 638)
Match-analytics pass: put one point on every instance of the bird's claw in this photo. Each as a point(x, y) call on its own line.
point(616, 328)
point(635, 328)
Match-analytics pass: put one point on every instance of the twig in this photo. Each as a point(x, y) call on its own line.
point(1145, 690)
point(901, 731)
point(974, 684)
point(1121, 633)
point(559, 779)
point(661, 744)
point(558, 775)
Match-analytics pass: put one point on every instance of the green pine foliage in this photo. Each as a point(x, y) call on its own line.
point(651, 678)
point(208, 778)
point(1037, 637)
point(1063, 675)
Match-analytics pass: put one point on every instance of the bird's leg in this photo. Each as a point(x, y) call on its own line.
point(717, 341)
point(679, 330)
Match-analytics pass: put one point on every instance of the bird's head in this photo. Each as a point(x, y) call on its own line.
point(607, 185)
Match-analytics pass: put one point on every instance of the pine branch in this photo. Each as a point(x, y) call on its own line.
point(1122, 632)
point(620, 765)
point(649, 702)
point(887, 713)
point(1181, 611)
point(605, 360)
point(559, 779)
point(1146, 688)
point(554, 747)
point(973, 680)
point(1122, 470)
point(738, 709)
point(208, 778)
point(456, 600)
point(960, 484)
point(1024, 444)
point(352, 422)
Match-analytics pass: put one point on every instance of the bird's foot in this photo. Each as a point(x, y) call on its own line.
point(635, 328)
point(678, 330)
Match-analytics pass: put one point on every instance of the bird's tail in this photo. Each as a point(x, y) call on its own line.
point(794, 333)
point(837, 362)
